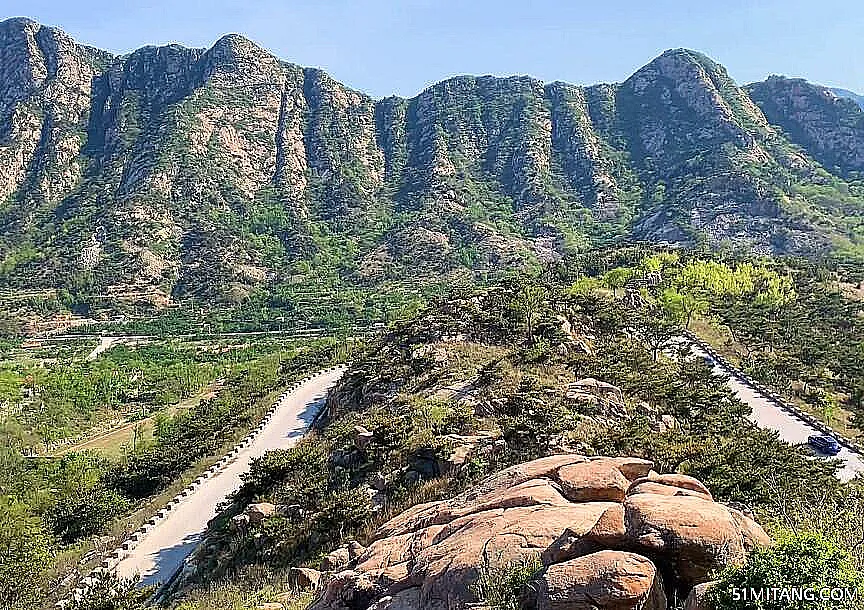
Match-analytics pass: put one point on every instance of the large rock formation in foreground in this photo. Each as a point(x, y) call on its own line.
point(610, 533)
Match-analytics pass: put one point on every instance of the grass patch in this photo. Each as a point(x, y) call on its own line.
point(502, 587)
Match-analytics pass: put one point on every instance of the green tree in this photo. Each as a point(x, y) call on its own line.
point(683, 305)
point(617, 278)
point(799, 561)
point(529, 303)
point(655, 330)
point(584, 285)
point(25, 551)
point(827, 407)
point(86, 513)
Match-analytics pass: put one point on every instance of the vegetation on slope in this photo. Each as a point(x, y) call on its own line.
point(502, 363)
point(225, 175)
point(57, 511)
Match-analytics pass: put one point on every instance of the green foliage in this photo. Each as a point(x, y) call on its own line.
point(799, 561)
point(50, 507)
point(296, 473)
point(25, 552)
point(528, 302)
point(86, 513)
point(502, 587)
point(405, 388)
point(617, 278)
point(682, 306)
point(584, 286)
point(111, 593)
point(195, 434)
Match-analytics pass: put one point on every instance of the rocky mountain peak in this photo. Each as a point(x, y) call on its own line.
point(23, 67)
point(212, 146)
point(46, 84)
point(701, 85)
point(237, 54)
point(849, 95)
point(815, 118)
point(19, 25)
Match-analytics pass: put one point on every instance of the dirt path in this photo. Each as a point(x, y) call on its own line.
point(116, 436)
point(105, 343)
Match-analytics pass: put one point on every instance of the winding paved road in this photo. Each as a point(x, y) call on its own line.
point(161, 552)
point(768, 414)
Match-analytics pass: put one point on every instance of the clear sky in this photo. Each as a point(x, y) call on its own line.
point(400, 47)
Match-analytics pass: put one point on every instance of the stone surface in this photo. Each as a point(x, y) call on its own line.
point(349, 590)
point(305, 578)
point(256, 513)
point(606, 580)
point(598, 480)
point(653, 487)
point(362, 437)
point(602, 528)
point(336, 560)
point(690, 534)
point(697, 598)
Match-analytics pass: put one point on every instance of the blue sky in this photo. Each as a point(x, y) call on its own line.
point(401, 47)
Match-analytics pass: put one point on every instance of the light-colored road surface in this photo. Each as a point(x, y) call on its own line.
point(162, 551)
point(105, 343)
point(767, 414)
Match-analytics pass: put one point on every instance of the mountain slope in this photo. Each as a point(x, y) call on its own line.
point(827, 126)
point(858, 99)
point(221, 172)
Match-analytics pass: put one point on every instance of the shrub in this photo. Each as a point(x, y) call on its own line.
point(111, 593)
point(24, 552)
point(502, 586)
point(799, 562)
point(87, 513)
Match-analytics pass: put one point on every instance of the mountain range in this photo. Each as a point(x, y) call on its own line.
point(855, 97)
point(219, 172)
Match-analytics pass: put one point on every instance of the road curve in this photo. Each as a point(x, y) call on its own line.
point(766, 413)
point(105, 343)
point(158, 556)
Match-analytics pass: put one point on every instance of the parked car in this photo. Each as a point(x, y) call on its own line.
point(824, 443)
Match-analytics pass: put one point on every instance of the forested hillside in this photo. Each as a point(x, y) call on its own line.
point(482, 381)
point(511, 269)
point(223, 173)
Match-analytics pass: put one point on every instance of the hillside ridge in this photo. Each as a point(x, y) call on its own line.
point(223, 172)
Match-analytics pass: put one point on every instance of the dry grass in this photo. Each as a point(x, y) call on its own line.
point(720, 339)
point(114, 442)
point(248, 594)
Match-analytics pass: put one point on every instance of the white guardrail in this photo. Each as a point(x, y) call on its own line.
point(131, 542)
point(773, 396)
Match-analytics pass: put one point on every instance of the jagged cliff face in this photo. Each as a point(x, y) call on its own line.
point(46, 81)
point(828, 126)
point(219, 171)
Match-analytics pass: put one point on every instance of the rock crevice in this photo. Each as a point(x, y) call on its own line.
point(606, 533)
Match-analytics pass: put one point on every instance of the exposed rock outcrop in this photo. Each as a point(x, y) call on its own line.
point(605, 579)
point(829, 127)
point(165, 161)
point(606, 531)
